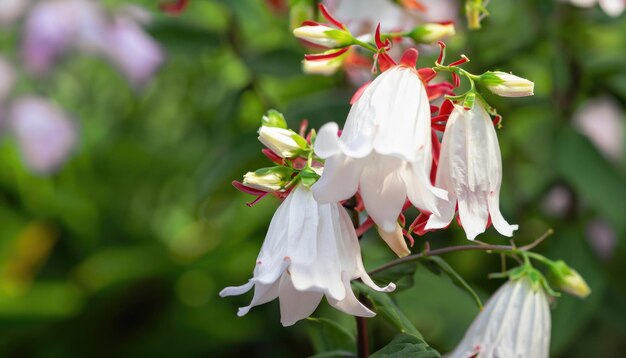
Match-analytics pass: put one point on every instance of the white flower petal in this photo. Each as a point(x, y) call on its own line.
point(327, 141)
point(295, 305)
point(313, 246)
point(383, 191)
point(497, 219)
point(350, 304)
point(340, 179)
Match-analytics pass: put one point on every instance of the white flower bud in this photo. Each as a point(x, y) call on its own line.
point(429, 33)
point(323, 36)
point(507, 85)
point(283, 142)
point(325, 67)
point(269, 181)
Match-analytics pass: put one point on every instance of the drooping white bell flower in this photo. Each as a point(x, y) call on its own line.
point(514, 323)
point(385, 148)
point(310, 251)
point(470, 169)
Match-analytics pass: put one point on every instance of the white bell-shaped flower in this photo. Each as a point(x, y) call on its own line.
point(385, 149)
point(310, 251)
point(514, 323)
point(470, 169)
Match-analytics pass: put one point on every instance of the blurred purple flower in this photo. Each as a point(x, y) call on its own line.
point(134, 53)
point(602, 121)
point(602, 238)
point(557, 201)
point(54, 26)
point(46, 135)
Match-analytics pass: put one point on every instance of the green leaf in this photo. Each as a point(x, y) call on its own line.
point(273, 118)
point(405, 345)
point(401, 275)
point(329, 338)
point(438, 265)
point(592, 176)
point(385, 307)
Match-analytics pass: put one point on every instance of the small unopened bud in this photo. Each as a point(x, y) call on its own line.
point(395, 241)
point(326, 67)
point(569, 280)
point(273, 118)
point(284, 142)
point(267, 179)
point(429, 33)
point(506, 84)
point(324, 36)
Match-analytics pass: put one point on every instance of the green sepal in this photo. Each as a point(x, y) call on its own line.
point(273, 118)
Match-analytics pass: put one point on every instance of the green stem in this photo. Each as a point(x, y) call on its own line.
point(365, 45)
point(504, 249)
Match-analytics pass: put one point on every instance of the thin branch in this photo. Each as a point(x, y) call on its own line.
point(445, 250)
point(534, 244)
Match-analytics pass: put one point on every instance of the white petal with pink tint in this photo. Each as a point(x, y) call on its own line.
point(470, 168)
point(46, 135)
point(514, 323)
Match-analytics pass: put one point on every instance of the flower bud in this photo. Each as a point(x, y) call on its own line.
point(268, 179)
point(326, 67)
point(429, 33)
point(284, 142)
point(324, 36)
point(273, 118)
point(506, 84)
point(569, 280)
point(395, 240)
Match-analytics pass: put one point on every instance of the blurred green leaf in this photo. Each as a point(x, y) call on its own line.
point(329, 336)
point(384, 306)
point(405, 346)
point(401, 275)
point(438, 265)
point(592, 176)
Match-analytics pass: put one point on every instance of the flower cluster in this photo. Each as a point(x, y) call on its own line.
point(46, 134)
point(408, 141)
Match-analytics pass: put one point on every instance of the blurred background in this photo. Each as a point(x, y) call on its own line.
point(123, 126)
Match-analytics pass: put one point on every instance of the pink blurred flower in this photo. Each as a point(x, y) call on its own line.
point(135, 54)
point(557, 201)
point(11, 10)
point(46, 135)
point(602, 121)
point(55, 26)
point(602, 238)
